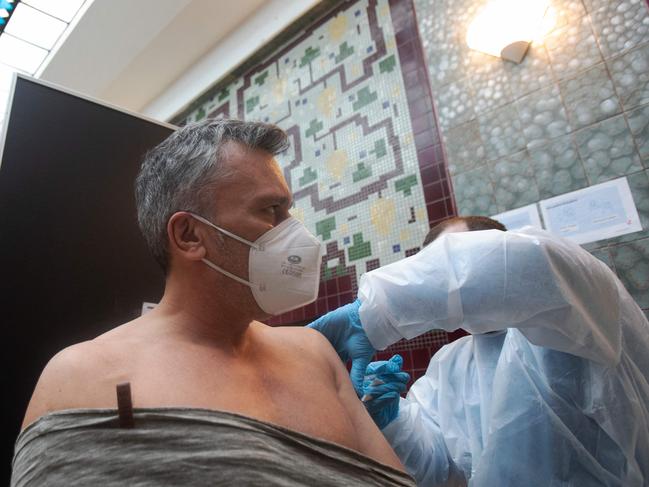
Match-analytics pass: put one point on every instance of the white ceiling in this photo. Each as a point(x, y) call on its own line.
point(128, 52)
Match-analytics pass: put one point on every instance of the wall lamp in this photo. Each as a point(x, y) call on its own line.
point(506, 28)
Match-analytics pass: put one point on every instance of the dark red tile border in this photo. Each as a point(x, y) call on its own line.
point(430, 152)
point(412, 251)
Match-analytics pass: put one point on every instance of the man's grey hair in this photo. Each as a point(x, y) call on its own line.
point(180, 174)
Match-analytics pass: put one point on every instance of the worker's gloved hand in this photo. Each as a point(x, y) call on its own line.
point(342, 327)
point(384, 383)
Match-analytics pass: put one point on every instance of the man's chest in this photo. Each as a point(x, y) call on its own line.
point(300, 398)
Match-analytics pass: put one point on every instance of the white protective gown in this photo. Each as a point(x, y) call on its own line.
point(557, 396)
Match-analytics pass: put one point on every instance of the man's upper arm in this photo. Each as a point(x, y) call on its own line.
point(59, 384)
point(370, 439)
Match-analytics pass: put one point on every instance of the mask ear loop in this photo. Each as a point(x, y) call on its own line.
point(229, 234)
point(236, 237)
point(229, 274)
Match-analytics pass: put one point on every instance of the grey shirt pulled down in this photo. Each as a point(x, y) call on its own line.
point(178, 446)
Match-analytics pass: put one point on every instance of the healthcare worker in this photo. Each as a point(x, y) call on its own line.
point(551, 389)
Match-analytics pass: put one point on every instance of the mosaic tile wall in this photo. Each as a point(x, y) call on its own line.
point(366, 166)
point(574, 113)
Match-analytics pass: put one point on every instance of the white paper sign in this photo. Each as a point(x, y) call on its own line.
point(520, 217)
point(602, 211)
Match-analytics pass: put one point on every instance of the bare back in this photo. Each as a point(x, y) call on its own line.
point(286, 376)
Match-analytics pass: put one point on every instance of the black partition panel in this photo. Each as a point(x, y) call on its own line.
point(73, 261)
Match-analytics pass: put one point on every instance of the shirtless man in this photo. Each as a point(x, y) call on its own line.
point(203, 346)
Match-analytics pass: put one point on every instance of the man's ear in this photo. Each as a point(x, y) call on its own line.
point(187, 236)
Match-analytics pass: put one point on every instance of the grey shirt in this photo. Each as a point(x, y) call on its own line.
point(178, 446)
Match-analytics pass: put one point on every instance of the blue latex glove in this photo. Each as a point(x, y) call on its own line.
point(384, 383)
point(342, 327)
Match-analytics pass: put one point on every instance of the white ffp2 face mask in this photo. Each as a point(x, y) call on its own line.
point(283, 268)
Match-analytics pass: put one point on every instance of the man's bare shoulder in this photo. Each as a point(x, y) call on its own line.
point(370, 440)
point(308, 340)
point(310, 347)
point(73, 377)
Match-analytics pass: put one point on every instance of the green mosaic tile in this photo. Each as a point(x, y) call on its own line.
point(331, 272)
point(340, 270)
point(406, 184)
point(200, 114)
point(223, 94)
point(379, 149)
point(308, 177)
point(364, 98)
point(344, 51)
point(325, 227)
point(387, 65)
point(361, 172)
point(328, 274)
point(309, 55)
point(360, 249)
point(261, 79)
point(314, 127)
point(251, 103)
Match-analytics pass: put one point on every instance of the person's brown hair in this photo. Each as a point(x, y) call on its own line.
point(472, 222)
